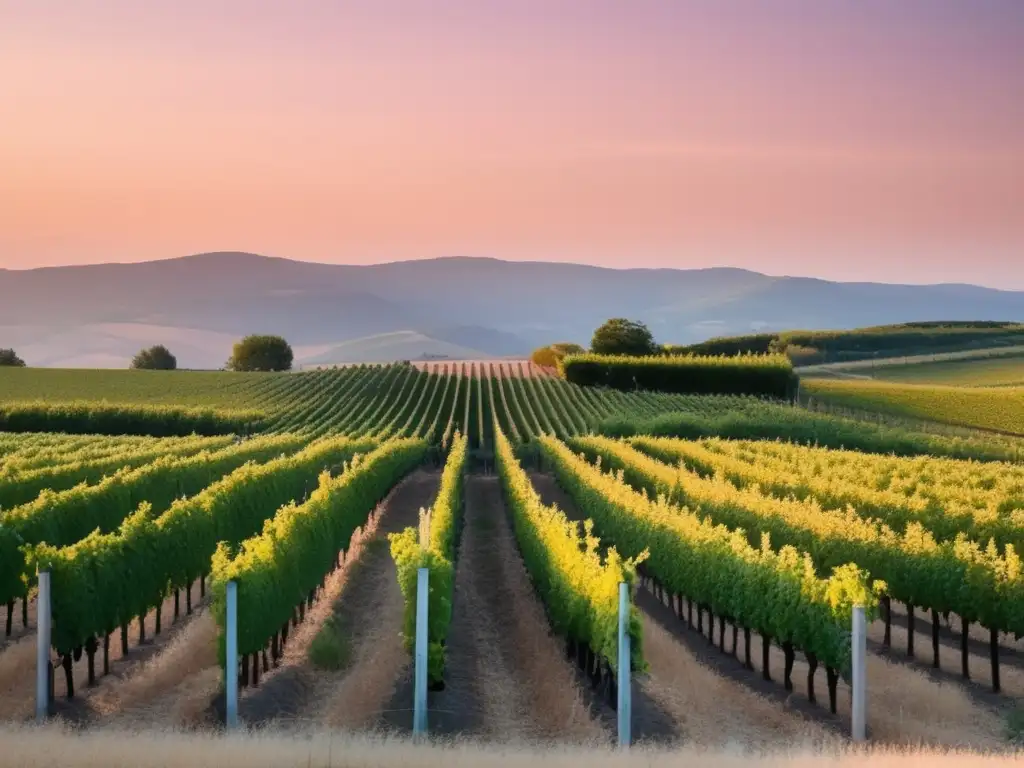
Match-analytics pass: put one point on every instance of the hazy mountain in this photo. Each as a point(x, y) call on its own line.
point(102, 314)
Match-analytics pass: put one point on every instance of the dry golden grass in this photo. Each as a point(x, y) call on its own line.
point(904, 705)
point(710, 708)
point(370, 606)
point(378, 659)
point(191, 650)
point(527, 688)
point(53, 747)
point(17, 678)
point(1011, 677)
point(174, 689)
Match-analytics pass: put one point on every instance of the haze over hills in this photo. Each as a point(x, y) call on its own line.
point(100, 315)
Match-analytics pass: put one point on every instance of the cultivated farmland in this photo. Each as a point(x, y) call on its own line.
point(747, 531)
point(998, 409)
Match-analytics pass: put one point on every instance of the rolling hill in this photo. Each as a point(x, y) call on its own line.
point(101, 314)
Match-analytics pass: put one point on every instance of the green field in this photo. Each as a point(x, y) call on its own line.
point(997, 409)
point(184, 388)
point(380, 399)
point(865, 344)
point(988, 372)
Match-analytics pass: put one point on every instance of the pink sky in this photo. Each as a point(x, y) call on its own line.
point(868, 140)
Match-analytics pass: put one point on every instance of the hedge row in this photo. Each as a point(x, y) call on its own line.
point(759, 375)
point(111, 419)
point(778, 422)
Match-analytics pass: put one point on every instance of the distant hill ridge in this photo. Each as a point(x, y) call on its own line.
point(101, 314)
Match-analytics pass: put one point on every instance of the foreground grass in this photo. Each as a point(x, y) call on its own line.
point(999, 409)
point(53, 746)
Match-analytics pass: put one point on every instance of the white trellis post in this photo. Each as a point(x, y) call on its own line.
point(859, 677)
point(44, 621)
point(231, 660)
point(625, 701)
point(419, 719)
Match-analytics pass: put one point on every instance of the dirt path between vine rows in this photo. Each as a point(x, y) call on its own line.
point(365, 606)
point(124, 685)
point(507, 679)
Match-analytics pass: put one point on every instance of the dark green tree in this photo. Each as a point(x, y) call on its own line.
point(10, 359)
point(261, 353)
point(619, 336)
point(157, 358)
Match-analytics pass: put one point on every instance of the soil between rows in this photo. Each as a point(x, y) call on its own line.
point(365, 602)
point(507, 678)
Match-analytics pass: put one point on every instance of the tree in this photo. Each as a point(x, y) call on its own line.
point(550, 355)
point(261, 353)
point(563, 348)
point(544, 356)
point(10, 359)
point(619, 336)
point(157, 358)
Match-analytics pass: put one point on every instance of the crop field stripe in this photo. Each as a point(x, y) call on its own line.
point(963, 497)
point(528, 390)
point(433, 431)
point(64, 518)
point(774, 594)
point(504, 413)
point(415, 408)
point(388, 398)
point(374, 384)
point(559, 395)
point(425, 423)
point(344, 416)
point(481, 408)
point(499, 408)
point(67, 449)
point(452, 407)
point(413, 378)
point(172, 550)
point(334, 390)
point(997, 409)
point(753, 419)
point(19, 488)
point(578, 586)
point(523, 427)
point(518, 385)
point(974, 582)
point(399, 413)
point(376, 395)
point(86, 417)
point(282, 567)
point(468, 404)
point(437, 554)
point(534, 394)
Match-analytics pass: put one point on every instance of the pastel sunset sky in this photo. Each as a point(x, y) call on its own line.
point(846, 139)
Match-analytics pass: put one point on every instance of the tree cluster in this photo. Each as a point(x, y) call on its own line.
point(157, 358)
point(9, 359)
point(617, 336)
point(261, 353)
